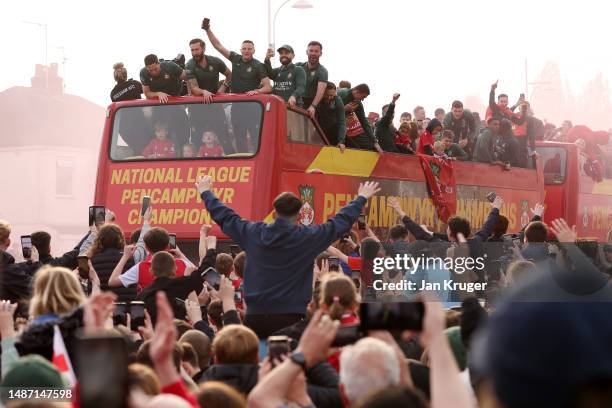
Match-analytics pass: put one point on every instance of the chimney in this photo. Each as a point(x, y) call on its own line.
point(47, 79)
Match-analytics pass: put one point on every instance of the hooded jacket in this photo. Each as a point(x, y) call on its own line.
point(243, 377)
point(278, 275)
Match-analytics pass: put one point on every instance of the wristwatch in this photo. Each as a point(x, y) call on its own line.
point(298, 358)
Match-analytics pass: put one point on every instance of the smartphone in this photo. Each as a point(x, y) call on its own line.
point(347, 335)
point(146, 202)
point(172, 242)
point(361, 222)
point(119, 314)
point(205, 24)
point(83, 266)
point(522, 96)
point(517, 242)
point(334, 263)
point(137, 315)
point(102, 370)
point(234, 250)
point(212, 277)
point(238, 296)
point(278, 346)
point(345, 237)
point(391, 316)
point(491, 196)
point(97, 215)
point(26, 246)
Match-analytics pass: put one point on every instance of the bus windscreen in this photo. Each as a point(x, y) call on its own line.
point(554, 163)
point(186, 131)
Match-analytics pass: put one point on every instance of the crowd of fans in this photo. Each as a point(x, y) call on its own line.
point(271, 331)
point(505, 137)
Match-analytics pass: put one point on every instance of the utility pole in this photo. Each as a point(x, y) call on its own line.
point(44, 26)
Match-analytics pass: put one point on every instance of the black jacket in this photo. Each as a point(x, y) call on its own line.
point(68, 260)
point(15, 279)
point(174, 288)
point(243, 377)
point(104, 263)
point(385, 132)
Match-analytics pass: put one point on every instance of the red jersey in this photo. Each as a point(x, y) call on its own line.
point(215, 151)
point(145, 276)
point(426, 139)
point(159, 148)
point(401, 139)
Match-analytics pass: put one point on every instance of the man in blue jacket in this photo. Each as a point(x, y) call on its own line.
point(279, 271)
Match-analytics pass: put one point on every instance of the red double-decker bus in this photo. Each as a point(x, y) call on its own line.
point(285, 150)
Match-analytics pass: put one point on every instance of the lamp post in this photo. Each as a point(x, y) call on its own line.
point(43, 25)
point(299, 4)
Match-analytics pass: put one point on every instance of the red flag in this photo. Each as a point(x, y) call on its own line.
point(61, 360)
point(442, 189)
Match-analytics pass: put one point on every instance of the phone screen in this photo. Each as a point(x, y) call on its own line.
point(391, 316)
point(361, 222)
point(172, 242)
point(278, 346)
point(97, 215)
point(119, 314)
point(146, 201)
point(101, 365)
point(491, 196)
point(238, 296)
point(334, 263)
point(26, 246)
point(137, 315)
point(212, 277)
point(83, 266)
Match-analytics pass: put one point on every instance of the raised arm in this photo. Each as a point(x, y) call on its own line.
point(272, 72)
point(230, 222)
point(114, 280)
point(388, 116)
point(415, 229)
point(487, 228)
point(214, 40)
point(341, 223)
point(140, 253)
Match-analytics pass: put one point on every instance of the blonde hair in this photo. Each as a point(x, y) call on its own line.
point(236, 344)
point(338, 293)
point(56, 291)
point(120, 73)
point(215, 394)
point(144, 378)
point(5, 230)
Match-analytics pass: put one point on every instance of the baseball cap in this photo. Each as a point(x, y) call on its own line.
point(286, 47)
point(31, 371)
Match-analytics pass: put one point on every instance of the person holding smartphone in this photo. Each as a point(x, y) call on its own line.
point(279, 274)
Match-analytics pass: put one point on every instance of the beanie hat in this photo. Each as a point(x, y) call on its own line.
point(31, 371)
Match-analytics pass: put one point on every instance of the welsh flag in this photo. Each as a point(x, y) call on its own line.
point(441, 184)
point(61, 360)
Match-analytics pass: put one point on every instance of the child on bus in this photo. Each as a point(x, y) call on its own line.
point(160, 146)
point(210, 145)
point(340, 301)
point(189, 150)
point(438, 149)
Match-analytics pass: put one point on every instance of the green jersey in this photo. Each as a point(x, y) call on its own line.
point(208, 76)
point(246, 75)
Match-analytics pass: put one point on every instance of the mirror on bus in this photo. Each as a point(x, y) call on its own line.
point(189, 131)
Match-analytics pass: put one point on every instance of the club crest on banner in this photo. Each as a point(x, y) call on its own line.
point(307, 212)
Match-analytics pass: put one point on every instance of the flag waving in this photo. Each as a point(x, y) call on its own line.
point(61, 360)
point(441, 185)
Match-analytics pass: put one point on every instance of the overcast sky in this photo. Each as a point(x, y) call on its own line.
point(430, 51)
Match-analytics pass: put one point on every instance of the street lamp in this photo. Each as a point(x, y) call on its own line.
point(299, 4)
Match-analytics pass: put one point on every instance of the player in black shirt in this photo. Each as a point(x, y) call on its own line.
point(126, 89)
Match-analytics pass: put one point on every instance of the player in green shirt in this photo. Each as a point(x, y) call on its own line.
point(289, 79)
point(248, 74)
point(161, 79)
point(203, 71)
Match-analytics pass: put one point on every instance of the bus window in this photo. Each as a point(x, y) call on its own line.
point(300, 129)
point(186, 131)
point(554, 160)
